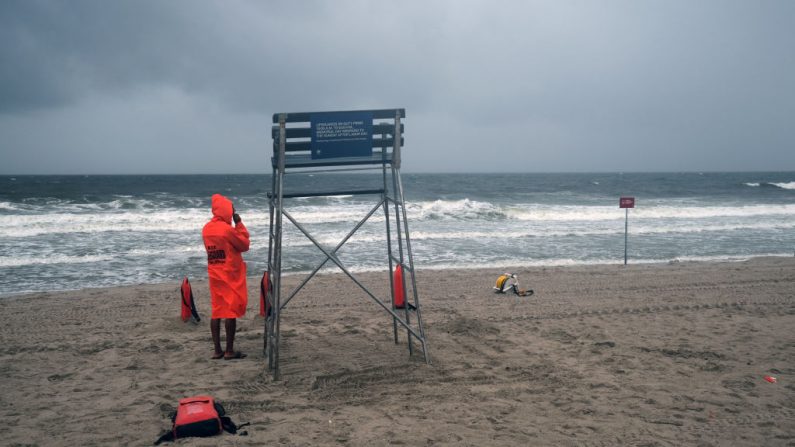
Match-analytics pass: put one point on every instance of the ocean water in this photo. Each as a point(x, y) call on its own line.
point(71, 232)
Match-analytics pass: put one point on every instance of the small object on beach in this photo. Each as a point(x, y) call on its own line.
point(509, 282)
point(398, 293)
point(505, 282)
point(771, 379)
point(199, 416)
point(265, 289)
point(189, 311)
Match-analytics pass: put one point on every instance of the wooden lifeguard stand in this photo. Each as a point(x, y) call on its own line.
point(342, 141)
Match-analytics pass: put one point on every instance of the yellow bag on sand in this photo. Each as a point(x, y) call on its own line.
point(503, 284)
point(508, 281)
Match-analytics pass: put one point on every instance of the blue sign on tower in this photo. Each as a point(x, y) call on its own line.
point(341, 134)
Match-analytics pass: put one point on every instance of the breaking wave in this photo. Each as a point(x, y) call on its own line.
point(193, 219)
point(782, 185)
point(456, 209)
point(788, 185)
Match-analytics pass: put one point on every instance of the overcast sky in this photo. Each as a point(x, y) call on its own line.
point(92, 87)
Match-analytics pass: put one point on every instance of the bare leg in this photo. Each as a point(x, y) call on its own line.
point(230, 354)
point(215, 330)
point(230, 326)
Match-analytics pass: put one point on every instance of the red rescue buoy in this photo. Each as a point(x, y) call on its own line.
point(264, 290)
point(188, 305)
point(398, 293)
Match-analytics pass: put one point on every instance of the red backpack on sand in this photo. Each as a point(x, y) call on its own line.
point(199, 416)
point(188, 305)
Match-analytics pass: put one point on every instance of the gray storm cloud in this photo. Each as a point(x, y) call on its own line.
point(165, 87)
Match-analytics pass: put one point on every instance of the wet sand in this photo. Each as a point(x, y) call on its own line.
point(600, 355)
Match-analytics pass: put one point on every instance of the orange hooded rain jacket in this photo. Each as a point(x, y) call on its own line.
point(225, 266)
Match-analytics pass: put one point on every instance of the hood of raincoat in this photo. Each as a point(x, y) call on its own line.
point(222, 208)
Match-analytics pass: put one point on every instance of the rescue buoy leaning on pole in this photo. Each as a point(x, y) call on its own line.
point(398, 293)
point(264, 291)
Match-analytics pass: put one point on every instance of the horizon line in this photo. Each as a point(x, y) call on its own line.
point(403, 172)
point(409, 172)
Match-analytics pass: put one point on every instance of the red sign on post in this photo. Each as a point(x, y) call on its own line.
point(626, 202)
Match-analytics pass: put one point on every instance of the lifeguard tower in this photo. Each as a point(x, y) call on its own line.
point(343, 141)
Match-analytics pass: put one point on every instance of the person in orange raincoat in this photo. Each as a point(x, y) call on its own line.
point(227, 273)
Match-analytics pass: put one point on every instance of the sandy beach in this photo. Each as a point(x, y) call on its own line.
point(670, 354)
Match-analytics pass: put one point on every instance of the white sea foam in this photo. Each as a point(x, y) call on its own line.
point(454, 209)
point(597, 213)
point(35, 225)
point(563, 213)
point(127, 203)
point(570, 262)
point(319, 214)
point(198, 248)
point(579, 231)
point(9, 206)
point(433, 210)
point(47, 205)
point(788, 185)
point(664, 212)
point(544, 220)
point(712, 227)
point(782, 185)
point(51, 259)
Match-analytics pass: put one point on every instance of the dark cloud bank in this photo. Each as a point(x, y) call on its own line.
point(189, 86)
